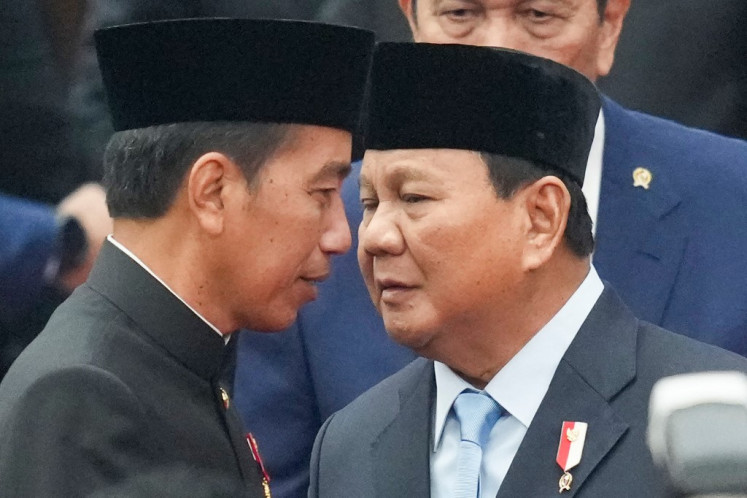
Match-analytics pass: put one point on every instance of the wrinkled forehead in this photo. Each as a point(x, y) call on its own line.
point(396, 166)
point(422, 4)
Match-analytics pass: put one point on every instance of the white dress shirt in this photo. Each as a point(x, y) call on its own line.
point(593, 177)
point(518, 387)
point(122, 248)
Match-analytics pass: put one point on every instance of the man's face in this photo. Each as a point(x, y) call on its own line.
point(438, 249)
point(284, 229)
point(567, 31)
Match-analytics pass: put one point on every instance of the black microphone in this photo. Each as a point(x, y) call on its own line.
point(697, 433)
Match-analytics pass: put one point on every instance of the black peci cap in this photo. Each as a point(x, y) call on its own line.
point(426, 96)
point(234, 70)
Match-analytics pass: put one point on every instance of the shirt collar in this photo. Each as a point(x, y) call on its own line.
point(129, 253)
point(522, 383)
point(593, 177)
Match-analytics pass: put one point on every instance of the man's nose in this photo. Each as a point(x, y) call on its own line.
point(336, 238)
point(499, 31)
point(379, 234)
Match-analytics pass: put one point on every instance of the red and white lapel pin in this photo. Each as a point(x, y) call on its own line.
point(570, 449)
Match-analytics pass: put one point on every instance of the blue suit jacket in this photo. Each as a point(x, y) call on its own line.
point(675, 252)
point(27, 237)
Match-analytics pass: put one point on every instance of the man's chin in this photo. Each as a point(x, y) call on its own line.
point(409, 335)
point(271, 324)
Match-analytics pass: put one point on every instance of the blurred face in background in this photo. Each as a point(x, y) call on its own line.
point(571, 32)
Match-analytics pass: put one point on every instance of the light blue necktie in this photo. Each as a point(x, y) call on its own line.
point(477, 414)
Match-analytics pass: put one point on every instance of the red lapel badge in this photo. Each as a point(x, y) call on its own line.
point(257, 458)
point(572, 437)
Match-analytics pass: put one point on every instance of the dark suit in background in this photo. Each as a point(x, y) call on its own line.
point(684, 60)
point(28, 231)
point(672, 250)
point(123, 380)
point(380, 445)
point(39, 159)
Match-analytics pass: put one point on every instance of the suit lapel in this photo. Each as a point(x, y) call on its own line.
point(401, 452)
point(598, 364)
point(640, 235)
point(249, 468)
point(534, 471)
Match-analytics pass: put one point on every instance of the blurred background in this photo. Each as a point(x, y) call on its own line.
point(680, 59)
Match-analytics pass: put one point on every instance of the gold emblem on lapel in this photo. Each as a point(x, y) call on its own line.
point(226, 399)
point(571, 434)
point(642, 178)
point(565, 482)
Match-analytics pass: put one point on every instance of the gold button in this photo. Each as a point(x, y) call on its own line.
point(642, 178)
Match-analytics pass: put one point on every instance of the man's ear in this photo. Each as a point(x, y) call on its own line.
point(612, 22)
point(206, 190)
point(406, 7)
point(548, 203)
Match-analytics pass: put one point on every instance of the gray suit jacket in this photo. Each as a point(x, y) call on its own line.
point(122, 382)
point(380, 445)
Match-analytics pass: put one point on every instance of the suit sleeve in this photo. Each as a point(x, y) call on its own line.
point(71, 432)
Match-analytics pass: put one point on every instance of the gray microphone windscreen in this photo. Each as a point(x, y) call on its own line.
point(697, 432)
